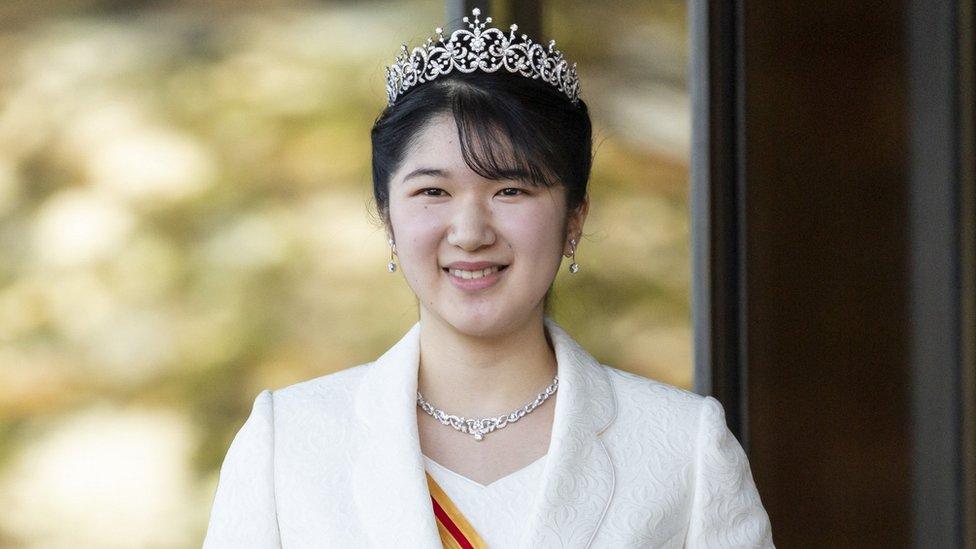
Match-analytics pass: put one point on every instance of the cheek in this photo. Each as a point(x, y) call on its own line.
point(417, 231)
point(537, 230)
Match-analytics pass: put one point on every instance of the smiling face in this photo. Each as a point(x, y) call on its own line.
point(441, 212)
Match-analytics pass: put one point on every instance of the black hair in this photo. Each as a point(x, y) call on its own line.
point(549, 139)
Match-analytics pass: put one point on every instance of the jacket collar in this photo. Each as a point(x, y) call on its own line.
point(390, 487)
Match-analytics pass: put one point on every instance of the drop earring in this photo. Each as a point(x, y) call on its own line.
point(391, 266)
point(573, 267)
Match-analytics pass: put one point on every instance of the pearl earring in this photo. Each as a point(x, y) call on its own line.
point(391, 266)
point(573, 267)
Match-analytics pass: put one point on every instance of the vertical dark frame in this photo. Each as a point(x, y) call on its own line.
point(942, 217)
point(528, 15)
point(833, 260)
point(717, 179)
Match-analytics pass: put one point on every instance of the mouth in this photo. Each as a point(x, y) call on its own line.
point(474, 275)
point(471, 281)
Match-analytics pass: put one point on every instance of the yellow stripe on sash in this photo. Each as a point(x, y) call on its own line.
point(455, 530)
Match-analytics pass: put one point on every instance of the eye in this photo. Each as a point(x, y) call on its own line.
point(425, 193)
point(520, 191)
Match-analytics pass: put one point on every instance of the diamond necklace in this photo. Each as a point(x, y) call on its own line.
point(480, 427)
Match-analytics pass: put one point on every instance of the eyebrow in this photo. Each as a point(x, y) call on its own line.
point(435, 172)
point(438, 172)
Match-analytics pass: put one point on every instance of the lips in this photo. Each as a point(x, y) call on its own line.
point(474, 273)
point(475, 284)
point(472, 265)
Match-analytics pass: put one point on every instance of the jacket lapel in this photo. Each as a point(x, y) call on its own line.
point(578, 478)
point(389, 482)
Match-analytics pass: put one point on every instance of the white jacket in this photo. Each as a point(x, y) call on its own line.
point(336, 462)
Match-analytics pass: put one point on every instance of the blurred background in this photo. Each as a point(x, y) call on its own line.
point(186, 218)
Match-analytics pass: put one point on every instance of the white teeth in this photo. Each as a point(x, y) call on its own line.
point(474, 274)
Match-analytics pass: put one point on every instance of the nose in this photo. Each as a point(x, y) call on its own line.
point(471, 225)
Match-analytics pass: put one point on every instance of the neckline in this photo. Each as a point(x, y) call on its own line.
point(495, 482)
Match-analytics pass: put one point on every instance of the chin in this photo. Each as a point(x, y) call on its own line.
point(486, 323)
point(476, 324)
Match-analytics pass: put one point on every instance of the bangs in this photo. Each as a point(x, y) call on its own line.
point(496, 145)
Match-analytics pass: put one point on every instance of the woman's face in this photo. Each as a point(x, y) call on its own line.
point(442, 213)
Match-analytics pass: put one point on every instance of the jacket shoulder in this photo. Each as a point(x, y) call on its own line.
point(637, 385)
point(642, 397)
point(333, 391)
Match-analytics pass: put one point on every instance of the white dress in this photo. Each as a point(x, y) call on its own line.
point(497, 511)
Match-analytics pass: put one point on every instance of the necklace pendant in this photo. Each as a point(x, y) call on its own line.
point(479, 429)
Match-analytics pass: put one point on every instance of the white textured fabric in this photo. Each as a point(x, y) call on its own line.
point(336, 462)
point(496, 511)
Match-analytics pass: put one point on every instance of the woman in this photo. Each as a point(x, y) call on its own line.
point(486, 425)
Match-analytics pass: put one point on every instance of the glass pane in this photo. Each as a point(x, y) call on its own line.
point(632, 299)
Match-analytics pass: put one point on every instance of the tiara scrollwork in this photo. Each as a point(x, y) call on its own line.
point(485, 49)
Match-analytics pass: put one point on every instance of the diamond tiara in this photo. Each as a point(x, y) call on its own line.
point(485, 49)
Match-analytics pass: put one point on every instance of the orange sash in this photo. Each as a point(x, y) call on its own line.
point(456, 532)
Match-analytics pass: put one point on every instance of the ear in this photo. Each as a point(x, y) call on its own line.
point(384, 215)
point(574, 225)
point(389, 235)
